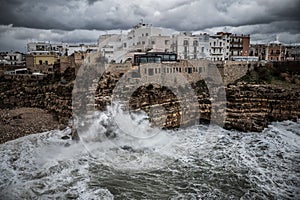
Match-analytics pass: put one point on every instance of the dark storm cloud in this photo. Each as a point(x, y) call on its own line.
point(116, 14)
point(91, 2)
point(78, 20)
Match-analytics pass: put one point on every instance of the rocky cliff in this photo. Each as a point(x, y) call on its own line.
point(54, 97)
point(248, 107)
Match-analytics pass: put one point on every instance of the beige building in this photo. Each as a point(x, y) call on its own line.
point(41, 63)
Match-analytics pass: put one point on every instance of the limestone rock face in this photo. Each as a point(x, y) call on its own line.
point(248, 107)
point(253, 107)
point(54, 97)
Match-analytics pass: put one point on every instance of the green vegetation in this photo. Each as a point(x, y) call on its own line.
point(271, 75)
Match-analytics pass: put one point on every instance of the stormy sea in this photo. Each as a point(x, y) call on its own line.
point(120, 156)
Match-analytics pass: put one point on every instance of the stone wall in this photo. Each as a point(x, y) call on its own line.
point(234, 70)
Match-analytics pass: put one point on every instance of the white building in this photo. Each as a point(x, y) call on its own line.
point(58, 49)
point(141, 38)
point(145, 37)
point(72, 48)
point(219, 46)
point(112, 46)
point(12, 58)
point(189, 46)
point(46, 48)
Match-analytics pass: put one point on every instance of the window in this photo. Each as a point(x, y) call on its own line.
point(151, 59)
point(202, 49)
point(190, 70)
point(143, 60)
point(166, 57)
point(150, 72)
point(166, 42)
point(46, 62)
point(147, 34)
point(40, 62)
point(195, 43)
point(185, 42)
point(153, 42)
point(185, 49)
point(172, 57)
point(143, 42)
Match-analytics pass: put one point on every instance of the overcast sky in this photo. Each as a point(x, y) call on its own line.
point(82, 21)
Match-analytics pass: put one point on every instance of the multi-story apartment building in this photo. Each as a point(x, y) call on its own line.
point(239, 45)
point(275, 52)
point(258, 50)
point(11, 58)
point(58, 49)
point(46, 48)
point(112, 46)
point(145, 37)
point(219, 46)
point(189, 46)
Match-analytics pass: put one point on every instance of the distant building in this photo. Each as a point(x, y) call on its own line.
point(12, 58)
point(111, 46)
point(189, 46)
point(71, 48)
point(275, 52)
point(239, 45)
point(46, 48)
point(292, 53)
point(220, 46)
point(41, 63)
point(259, 50)
point(145, 37)
point(58, 49)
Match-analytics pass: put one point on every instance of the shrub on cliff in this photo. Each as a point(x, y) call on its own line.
point(260, 74)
